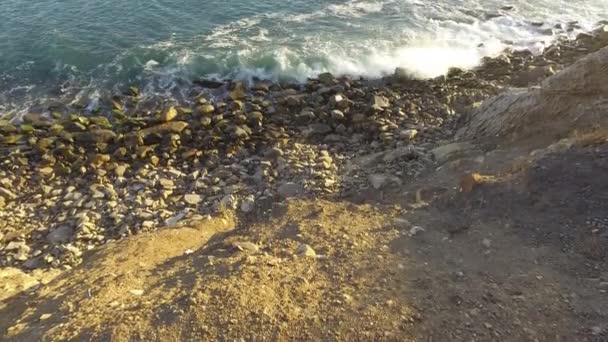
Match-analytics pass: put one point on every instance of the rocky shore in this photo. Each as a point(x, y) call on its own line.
point(70, 182)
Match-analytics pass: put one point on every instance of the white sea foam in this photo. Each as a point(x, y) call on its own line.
point(150, 65)
point(356, 8)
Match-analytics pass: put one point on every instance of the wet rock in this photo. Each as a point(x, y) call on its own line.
point(531, 76)
point(238, 91)
point(402, 75)
point(169, 114)
point(96, 136)
point(293, 101)
point(168, 127)
point(326, 78)
point(207, 109)
point(101, 122)
point(208, 83)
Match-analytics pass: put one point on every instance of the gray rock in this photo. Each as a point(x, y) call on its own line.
point(405, 152)
point(380, 102)
point(380, 180)
point(447, 152)
point(318, 128)
point(229, 202)
point(337, 115)
point(173, 220)
point(289, 189)
point(531, 76)
point(408, 134)
point(416, 230)
point(402, 223)
point(60, 235)
point(240, 133)
point(248, 204)
point(401, 74)
point(33, 263)
point(326, 78)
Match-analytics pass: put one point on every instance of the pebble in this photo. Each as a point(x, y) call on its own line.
point(247, 246)
point(45, 316)
point(408, 134)
point(7, 194)
point(136, 292)
point(305, 250)
point(596, 331)
point(167, 183)
point(193, 199)
point(229, 202)
point(402, 223)
point(415, 230)
point(337, 115)
point(247, 204)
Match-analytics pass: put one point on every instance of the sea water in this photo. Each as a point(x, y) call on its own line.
point(70, 49)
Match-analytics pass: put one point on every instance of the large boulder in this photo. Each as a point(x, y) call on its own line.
point(575, 98)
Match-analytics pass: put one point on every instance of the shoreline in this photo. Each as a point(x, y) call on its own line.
point(70, 182)
point(95, 100)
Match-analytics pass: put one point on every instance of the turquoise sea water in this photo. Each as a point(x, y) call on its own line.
point(80, 48)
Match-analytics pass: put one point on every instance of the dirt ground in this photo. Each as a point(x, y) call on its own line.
point(520, 257)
